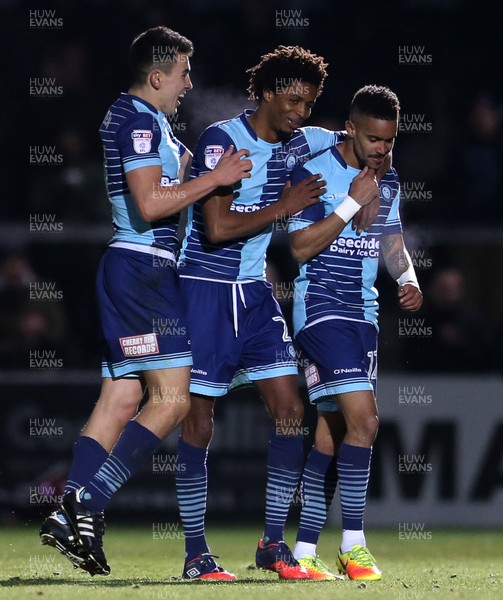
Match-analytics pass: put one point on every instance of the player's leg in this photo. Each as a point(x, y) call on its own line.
point(353, 465)
point(215, 353)
point(285, 458)
point(318, 483)
point(268, 359)
point(168, 403)
point(191, 474)
point(117, 404)
point(341, 357)
point(192, 491)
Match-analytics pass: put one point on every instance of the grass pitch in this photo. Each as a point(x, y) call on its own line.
point(451, 564)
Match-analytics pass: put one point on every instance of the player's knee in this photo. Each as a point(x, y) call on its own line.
point(197, 429)
point(118, 409)
point(125, 413)
point(287, 411)
point(368, 427)
point(324, 444)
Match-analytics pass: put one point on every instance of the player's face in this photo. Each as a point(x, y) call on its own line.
point(290, 107)
point(373, 139)
point(175, 84)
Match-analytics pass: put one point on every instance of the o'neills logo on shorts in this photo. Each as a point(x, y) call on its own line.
point(139, 345)
point(312, 375)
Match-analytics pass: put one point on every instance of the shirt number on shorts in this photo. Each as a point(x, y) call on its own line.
point(286, 336)
point(372, 372)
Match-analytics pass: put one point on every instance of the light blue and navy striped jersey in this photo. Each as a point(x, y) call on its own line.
point(245, 258)
point(134, 135)
point(339, 282)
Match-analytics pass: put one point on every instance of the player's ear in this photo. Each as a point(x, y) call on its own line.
point(155, 78)
point(267, 95)
point(350, 128)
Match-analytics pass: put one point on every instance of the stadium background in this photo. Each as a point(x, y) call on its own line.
point(438, 459)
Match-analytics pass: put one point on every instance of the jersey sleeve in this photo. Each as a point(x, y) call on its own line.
point(138, 141)
point(393, 224)
point(320, 139)
point(182, 148)
point(312, 213)
point(210, 147)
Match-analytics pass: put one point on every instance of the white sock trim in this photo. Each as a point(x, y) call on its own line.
point(304, 549)
point(352, 537)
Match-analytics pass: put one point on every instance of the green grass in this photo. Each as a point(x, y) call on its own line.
point(452, 564)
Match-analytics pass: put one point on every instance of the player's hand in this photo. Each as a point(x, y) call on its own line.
point(295, 198)
point(364, 188)
point(410, 297)
point(366, 216)
point(232, 167)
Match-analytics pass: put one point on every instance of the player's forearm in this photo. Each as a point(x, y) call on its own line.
point(165, 201)
point(233, 225)
point(310, 241)
point(395, 255)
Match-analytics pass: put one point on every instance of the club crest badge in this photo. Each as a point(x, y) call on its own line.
point(290, 162)
point(386, 193)
point(212, 155)
point(142, 140)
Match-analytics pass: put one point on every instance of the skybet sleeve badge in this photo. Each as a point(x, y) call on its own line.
point(212, 155)
point(142, 140)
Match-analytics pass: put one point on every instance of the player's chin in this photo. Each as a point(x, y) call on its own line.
point(292, 125)
point(374, 162)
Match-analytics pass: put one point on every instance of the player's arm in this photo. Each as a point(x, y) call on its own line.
point(155, 202)
point(400, 267)
point(310, 241)
point(222, 224)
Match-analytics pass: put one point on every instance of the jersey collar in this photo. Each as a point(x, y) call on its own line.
point(244, 119)
point(150, 107)
point(338, 156)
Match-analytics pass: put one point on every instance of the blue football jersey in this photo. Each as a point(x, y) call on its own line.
point(245, 258)
point(339, 282)
point(134, 135)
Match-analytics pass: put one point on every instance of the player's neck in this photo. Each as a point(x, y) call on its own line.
point(143, 93)
point(348, 154)
point(261, 127)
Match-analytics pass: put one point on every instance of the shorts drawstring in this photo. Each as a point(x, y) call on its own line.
point(235, 305)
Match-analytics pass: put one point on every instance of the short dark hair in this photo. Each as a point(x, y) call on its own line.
point(377, 101)
point(156, 47)
point(283, 64)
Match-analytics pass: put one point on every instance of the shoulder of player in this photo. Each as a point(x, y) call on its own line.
point(391, 176)
point(129, 120)
point(322, 161)
point(390, 186)
point(226, 125)
point(316, 129)
point(215, 140)
point(319, 163)
point(319, 136)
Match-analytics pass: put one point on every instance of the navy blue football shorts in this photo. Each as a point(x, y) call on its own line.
point(238, 335)
point(141, 312)
point(339, 356)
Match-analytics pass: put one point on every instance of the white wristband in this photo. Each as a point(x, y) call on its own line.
point(408, 277)
point(347, 209)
